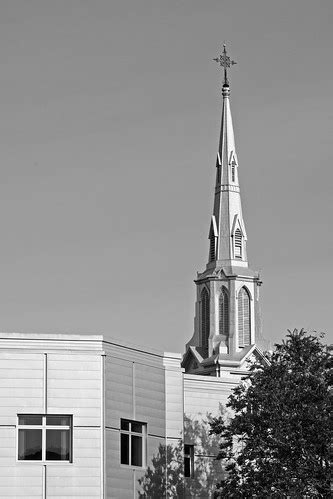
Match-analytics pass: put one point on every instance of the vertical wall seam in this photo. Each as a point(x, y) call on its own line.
point(45, 384)
point(166, 428)
point(183, 435)
point(134, 417)
point(134, 484)
point(133, 390)
point(44, 480)
point(102, 426)
point(45, 412)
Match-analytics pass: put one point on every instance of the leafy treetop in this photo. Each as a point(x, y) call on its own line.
point(277, 444)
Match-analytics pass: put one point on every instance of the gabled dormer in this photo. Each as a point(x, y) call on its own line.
point(238, 240)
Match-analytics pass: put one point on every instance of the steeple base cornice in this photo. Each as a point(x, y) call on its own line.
point(219, 269)
point(222, 363)
point(230, 188)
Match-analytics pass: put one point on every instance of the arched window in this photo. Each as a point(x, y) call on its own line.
point(224, 312)
point(238, 243)
point(244, 318)
point(205, 318)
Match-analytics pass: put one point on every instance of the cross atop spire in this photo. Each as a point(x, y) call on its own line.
point(225, 62)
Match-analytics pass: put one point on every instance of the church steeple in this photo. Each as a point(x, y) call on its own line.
point(227, 230)
point(227, 319)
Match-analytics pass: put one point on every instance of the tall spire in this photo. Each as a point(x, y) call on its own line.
point(227, 314)
point(227, 231)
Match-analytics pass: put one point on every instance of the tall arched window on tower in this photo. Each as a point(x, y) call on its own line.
point(244, 318)
point(205, 319)
point(224, 312)
point(238, 243)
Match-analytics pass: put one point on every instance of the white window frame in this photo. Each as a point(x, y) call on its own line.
point(44, 427)
point(130, 433)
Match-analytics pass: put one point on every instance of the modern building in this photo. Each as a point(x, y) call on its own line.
point(83, 416)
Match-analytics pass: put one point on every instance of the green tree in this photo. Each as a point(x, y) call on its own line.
point(277, 444)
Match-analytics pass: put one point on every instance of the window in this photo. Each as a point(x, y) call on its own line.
point(224, 312)
point(238, 244)
point(189, 461)
point(244, 318)
point(205, 323)
point(133, 437)
point(44, 438)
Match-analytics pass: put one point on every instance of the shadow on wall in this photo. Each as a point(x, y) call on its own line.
point(190, 474)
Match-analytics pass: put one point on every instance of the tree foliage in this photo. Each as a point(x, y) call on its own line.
point(206, 445)
point(277, 444)
point(164, 476)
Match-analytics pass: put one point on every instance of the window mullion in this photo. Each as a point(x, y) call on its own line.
point(129, 443)
point(43, 443)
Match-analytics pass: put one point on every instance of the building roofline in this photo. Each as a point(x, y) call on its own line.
point(104, 340)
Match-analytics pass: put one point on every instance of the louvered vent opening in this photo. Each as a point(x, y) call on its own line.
point(224, 312)
point(212, 248)
point(238, 244)
point(244, 318)
point(205, 318)
point(233, 168)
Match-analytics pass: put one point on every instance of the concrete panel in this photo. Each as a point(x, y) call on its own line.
point(119, 390)
point(150, 398)
point(21, 388)
point(68, 394)
point(82, 478)
point(16, 479)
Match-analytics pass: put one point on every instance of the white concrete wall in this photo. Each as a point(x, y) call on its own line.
point(174, 398)
point(142, 386)
point(51, 374)
point(204, 395)
point(74, 387)
point(98, 383)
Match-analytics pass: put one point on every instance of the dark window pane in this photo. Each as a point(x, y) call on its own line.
point(124, 425)
point(30, 445)
point(136, 450)
point(57, 445)
point(124, 448)
point(137, 427)
point(30, 420)
point(58, 420)
point(187, 467)
point(189, 461)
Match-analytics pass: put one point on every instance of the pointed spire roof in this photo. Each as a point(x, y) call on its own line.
point(227, 149)
point(228, 240)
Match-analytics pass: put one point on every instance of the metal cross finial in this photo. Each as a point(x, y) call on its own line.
point(225, 62)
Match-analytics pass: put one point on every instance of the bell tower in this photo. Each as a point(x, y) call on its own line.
point(227, 316)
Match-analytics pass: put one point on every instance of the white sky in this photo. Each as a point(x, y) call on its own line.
point(110, 114)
